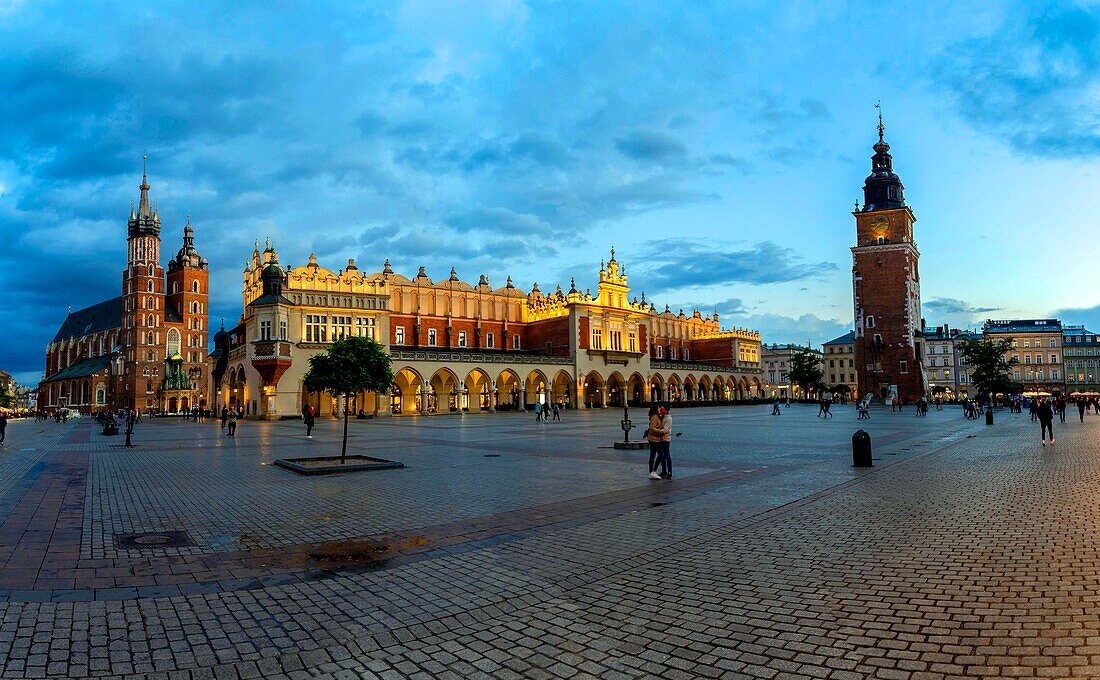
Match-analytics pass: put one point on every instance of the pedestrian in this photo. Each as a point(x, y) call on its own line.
point(307, 417)
point(1081, 409)
point(653, 436)
point(788, 401)
point(666, 442)
point(864, 412)
point(232, 423)
point(225, 416)
point(1060, 405)
point(1034, 408)
point(538, 411)
point(557, 411)
point(821, 407)
point(1045, 414)
point(3, 427)
point(775, 408)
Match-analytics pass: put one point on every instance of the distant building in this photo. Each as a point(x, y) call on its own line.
point(940, 364)
point(839, 362)
point(145, 349)
point(1037, 345)
point(1081, 349)
point(775, 360)
point(964, 373)
point(886, 285)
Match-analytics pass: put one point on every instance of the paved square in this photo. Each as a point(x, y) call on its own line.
point(510, 548)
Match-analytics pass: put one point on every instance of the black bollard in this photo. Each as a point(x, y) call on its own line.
point(989, 415)
point(861, 449)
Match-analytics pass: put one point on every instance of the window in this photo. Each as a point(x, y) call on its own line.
point(934, 375)
point(672, 353)
point(1027, 343)
point(660, 352)
point(282, 330)
point(489, 341)
point(462, 338)
point(616, 338)
point(365, 327)
point(1027, 358)
point(832, 364)
point(632, 341)
point(903, 367)
point(597, 338)
point(1053, 358)
point(870, 322)
point(515, 342)
point(877, 339)
point(316, 328)
point(265, 330)
point(150, 287)
point(431, 337)
point(341, 327)
point(1053, 342)
point(399, 335)
point(173, 342)
point(1054, 375)
point(195, 287)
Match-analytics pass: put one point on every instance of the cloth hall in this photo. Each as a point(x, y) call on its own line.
point(460, 347)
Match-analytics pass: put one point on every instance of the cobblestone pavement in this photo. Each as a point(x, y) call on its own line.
point(509, 548)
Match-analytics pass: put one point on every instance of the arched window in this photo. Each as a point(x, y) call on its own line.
point(194, 308)
point(173, 342)
point(195, 287)
point(150, 287)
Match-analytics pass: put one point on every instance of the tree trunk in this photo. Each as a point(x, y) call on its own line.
point(344, 448)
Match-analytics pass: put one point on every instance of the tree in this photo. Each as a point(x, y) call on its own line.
point(991, 369)
point(348, 367)
point(805, 370)
point(7, 399)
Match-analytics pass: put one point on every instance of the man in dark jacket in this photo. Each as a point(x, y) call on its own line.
point(1045, 413)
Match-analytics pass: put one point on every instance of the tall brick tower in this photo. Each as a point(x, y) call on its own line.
point(186, 301)
point(142, 305)
point(886, 285)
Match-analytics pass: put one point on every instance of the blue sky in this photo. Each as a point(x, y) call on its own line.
point(719, 147)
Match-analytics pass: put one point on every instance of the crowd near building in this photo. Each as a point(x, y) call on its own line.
point(460, 347)
point(145, 349)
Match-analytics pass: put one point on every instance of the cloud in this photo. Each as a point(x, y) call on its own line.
point(651, 146)
point(686, 263)
point(953, 306)
point(1089, 317)
point(777, 328)
point(496, 220)
point(1032, 80)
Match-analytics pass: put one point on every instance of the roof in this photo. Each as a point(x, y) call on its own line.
point(845, 339)
point(82, 368)
point(270, 300)
point(1023, 326)
point(102, 316)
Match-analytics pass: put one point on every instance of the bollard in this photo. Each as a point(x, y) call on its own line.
point(989, 415)
point(861, 449)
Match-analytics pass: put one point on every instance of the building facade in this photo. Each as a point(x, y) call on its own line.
point(1037, 346)
point(839, 363)
point(1081, 349)
point(940, 362)
point(775, 360)
point(457, 347)
point(145, 349)
point(886, 285)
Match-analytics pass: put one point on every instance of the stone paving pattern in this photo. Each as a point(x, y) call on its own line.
point(967, 551)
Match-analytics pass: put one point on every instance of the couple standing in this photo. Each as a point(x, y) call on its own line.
point(659, 435)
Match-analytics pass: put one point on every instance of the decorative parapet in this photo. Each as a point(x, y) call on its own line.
point(476, 357)
point(271, 349)
point(738, 367)
point(738, 333)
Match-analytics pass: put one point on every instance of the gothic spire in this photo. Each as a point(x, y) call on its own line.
point(146, 221)
point(882, 190)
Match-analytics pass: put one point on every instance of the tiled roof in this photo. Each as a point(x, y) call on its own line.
point(102, 316)
point(83, 368)
point(845, 339)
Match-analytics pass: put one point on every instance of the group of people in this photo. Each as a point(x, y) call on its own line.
point(659, 436)
point(543, 411)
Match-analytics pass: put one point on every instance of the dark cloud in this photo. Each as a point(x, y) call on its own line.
point(953, 306)
point(685, 263)
point(1031, 80)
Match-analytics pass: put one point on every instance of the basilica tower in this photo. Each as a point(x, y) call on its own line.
point(142, 304)
point(886, 285)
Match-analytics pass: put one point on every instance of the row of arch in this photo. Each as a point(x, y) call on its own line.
point(444, 391)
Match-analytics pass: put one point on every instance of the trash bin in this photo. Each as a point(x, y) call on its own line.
point(861, 449)
point(989, 415)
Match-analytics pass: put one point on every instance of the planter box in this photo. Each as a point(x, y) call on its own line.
point(326, 465)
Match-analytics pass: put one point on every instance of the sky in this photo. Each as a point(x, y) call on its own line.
point(719, 147)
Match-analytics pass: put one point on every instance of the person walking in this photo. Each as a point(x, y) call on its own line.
point(1045, 413)
point(225, 416)
point(557, 411)
point(308, 419)
point(538, 411)
point(653, 436)
point(232, 423)
point(821, 408)
point(1060, 406)
point(1081, 409)
point(775, 408)
point(666, 442)
point(1034, 408)
point(3, 427)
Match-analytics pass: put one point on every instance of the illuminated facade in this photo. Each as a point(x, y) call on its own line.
point(460, 347)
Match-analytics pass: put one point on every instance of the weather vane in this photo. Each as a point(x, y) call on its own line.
point(881, 127)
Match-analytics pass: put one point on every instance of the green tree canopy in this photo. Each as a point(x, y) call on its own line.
point(7, 399)
point(350, 366)
point(805, 371)
point(990, 365)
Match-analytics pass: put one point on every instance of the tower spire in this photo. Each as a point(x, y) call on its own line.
point(881, 127)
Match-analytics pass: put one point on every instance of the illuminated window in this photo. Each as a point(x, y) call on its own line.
point(462, 338)
point(431, 337)
point(399, 335)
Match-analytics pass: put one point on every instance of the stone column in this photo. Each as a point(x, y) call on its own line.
point(523, 395)
point(492, 396)
point(424, 390)
point(580, 395)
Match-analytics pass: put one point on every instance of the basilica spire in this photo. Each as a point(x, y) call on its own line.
point(882, 190)
point(146, 221)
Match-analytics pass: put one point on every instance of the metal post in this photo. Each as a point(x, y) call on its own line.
point(626, 424)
